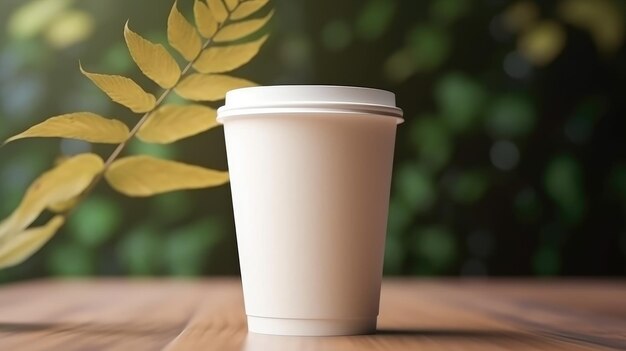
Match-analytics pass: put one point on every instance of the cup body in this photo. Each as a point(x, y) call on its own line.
point(310, 197)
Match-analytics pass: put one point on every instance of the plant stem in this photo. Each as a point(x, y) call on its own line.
point(143, 119)
point(119, 148)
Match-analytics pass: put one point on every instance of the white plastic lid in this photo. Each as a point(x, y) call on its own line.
point(308, 99)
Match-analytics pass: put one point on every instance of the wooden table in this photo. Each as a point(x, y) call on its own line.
point(416, 314)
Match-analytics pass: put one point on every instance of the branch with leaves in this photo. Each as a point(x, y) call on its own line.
point(214, 46)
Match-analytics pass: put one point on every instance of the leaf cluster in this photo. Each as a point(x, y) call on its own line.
point(216, 45)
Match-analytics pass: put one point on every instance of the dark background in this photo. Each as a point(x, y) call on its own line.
point(512, 159)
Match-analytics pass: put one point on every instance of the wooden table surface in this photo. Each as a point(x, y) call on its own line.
point(415, 314)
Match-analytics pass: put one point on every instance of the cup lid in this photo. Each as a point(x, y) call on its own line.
point(309, 99)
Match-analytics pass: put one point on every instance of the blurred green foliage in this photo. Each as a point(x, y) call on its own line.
point(435, 248)
point(432, 141)
point(95, 221)
point(336, 35)
point(72, 259)
point(141, 250)
point(512, 158)
point(417, 191)
point(468, 187)
point(460, 100)
point(564, 184)
point(510, 116)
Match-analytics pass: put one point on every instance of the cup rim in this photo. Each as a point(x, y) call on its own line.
point(309, 99)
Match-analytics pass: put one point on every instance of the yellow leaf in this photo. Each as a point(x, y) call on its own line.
point(542, 43)
point(152, 59)
point(238, 30)
point(80, 125)
point(231, 4)
point(247, 8)
point(219, 11)
point(22, 245)
point(63, 206)
point(59, 184)
point(209, 87)
point(182, 35)
point(206, 23)
point(218, 59)
point(123, 90)
point(174, 122)
point(146, 176)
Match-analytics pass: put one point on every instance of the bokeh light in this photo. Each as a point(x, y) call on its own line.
point(504, 155)
point(511, 160)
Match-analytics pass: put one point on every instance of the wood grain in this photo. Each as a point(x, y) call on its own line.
point(118, 314)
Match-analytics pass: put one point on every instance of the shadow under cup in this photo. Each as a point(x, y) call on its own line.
point(310, 170)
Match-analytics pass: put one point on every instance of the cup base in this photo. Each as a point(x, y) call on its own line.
point(311, 327)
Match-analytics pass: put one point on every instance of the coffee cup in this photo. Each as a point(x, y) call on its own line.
point(310, 170)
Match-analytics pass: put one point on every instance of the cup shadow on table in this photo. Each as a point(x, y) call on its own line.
point(447, 333)
point(95, 328)
point(254, 342)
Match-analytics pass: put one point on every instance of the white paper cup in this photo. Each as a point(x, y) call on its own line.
point(310, 170)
